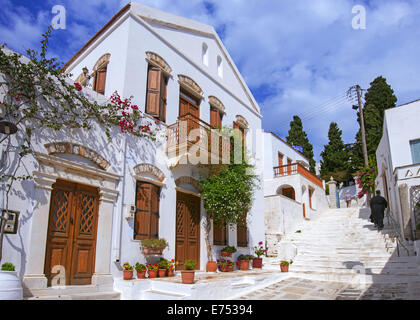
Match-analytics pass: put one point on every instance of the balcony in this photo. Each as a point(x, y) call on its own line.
point(192, 137)
point(296, 168)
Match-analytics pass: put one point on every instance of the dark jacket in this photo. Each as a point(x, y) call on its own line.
point(378, 205)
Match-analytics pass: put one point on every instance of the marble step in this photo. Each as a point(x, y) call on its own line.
point(67, 290)
point(354, 278)
point(340, 270)
point(79, 296)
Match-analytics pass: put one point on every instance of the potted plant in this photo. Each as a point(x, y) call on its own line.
point(171, 267)
point(284, 265)
point(153, 246)
point(128, 271)
point(243, 261)
point(10, 284)
point(227, 251)
point(163, 267)
point(141, 270)
point(152, 270)
point(188, 273)
point(225, 265)
point(259, 251)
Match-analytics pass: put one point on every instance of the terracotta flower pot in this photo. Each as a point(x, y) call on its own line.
point(171, 272)
point(284, 267)
point(141, 274)
point(152, 250)
point(127, 274)
point(162, 273)
point(257, 263)
point(152, 273)
point(244, 265)
point(211, 266)
point(226, 254)
point(187, 276)
point(231, 268)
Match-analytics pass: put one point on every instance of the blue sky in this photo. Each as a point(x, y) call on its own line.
point(297, 56)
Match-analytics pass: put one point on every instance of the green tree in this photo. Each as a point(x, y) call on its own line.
point(298, 137)
point(378, 98)
point(335, 157)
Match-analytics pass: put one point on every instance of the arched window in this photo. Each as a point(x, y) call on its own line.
point(287, 191)
point(219, 66)
point(205, 54)
point(99, 73)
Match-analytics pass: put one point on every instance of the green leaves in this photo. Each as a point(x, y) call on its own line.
point(228, 195)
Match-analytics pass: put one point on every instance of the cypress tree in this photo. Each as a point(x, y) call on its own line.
point(335, 157)
point(298, 137)
point(378, 98)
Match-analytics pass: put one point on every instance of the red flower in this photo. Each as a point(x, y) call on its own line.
point(78, 86)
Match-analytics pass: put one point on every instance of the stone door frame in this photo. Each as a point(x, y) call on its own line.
point(50, 169)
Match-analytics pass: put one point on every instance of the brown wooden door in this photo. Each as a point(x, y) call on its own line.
point(71, 239)
point(187, 229)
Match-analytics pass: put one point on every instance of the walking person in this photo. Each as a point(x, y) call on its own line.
point(378, 204)
point(348, 198)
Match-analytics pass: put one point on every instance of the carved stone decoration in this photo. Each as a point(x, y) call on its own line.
point(157, 59)
point(190, 85)
point(188, 180)
point(147, 168)
point(79, 150)
point(216, 103)
point(242, 121)
point(101, 62)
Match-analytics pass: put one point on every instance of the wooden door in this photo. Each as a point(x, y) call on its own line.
point(71, 239)
point(187, 229)
point(289, 166)
point(303, 208)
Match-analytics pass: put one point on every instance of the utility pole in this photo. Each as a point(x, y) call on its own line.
point(362, 128)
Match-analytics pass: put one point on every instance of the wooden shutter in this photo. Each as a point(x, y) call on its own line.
point(219, 235)
point(280, 159)
point(146, 222)
point(162, 101)
point(215, 118)
point(100, 79)
point(153, 91)
point(154, 217)
point(241, 232)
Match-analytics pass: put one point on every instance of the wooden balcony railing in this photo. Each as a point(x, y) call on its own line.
point(295, 168)
point(190, 130)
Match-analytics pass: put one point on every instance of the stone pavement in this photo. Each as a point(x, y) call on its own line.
point(305, 289)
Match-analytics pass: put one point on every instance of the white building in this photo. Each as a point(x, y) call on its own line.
point(398, 163)
point(291, 192)
point(177, 69)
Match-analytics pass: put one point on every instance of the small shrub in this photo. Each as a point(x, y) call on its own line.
point(154, 243)
point(8, 266)
point(127, 266)
point(140, 267)
point(190, 264)
point(286, 263)
point(231, 249)
point(245, 257)
point(163, 263)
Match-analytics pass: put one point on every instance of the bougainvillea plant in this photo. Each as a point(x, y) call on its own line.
point(366, 180)
point(36, 95)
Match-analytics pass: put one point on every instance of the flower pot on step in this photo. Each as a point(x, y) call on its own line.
point(148, 251)
point(162, 273)
point(141, 274)
point(284, 267)
point(257, 263)
point(152, 273)
point(171, 272)
point(243, 265)
point(187, 276)
point(211, 266)
point(128, 274)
